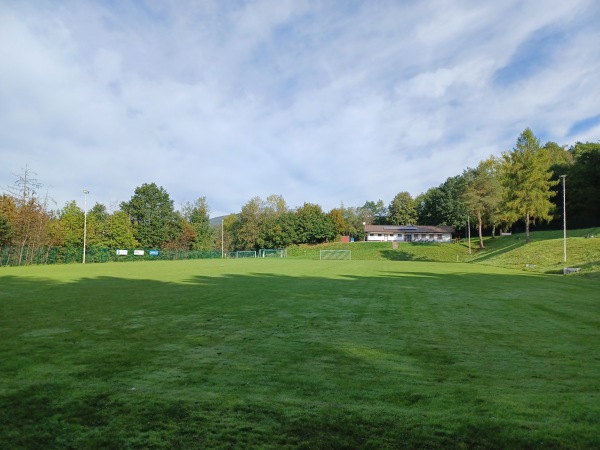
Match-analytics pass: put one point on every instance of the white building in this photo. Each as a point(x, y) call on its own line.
point(408, 233)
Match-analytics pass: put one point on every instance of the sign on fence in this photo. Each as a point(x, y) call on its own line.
point(153, 252)
point(121, 252)
point(138, 252)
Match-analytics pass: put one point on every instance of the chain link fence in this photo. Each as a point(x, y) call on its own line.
point(15, 256)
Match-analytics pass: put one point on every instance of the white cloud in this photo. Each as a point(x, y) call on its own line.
point(318, 102)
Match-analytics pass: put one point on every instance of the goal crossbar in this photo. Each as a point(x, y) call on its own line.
point(245, 254)
point(272, 253)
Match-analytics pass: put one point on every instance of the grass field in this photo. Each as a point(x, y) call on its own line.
point(543, 255)
point(297, 354)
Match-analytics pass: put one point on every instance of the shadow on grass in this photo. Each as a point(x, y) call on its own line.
point(399, 255)
point(488, 252)
point(408, 358)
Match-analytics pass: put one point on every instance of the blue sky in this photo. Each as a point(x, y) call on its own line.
point(318, 101)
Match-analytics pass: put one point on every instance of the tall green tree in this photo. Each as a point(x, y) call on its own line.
point(151, 211)
point(71, 220)
point(249, 226)
point(279, 231)
point(277, 225)
point(197, 230)
point(230, 226)
point(482, 193)
point(314, 226)
point(348, 221)
point(340, 225)
point(116, 232)
point(528, 183)
point(374, 213)
point(582, 185)
point(354, 221)
point(443, 205)
point(402, 210)
point(97, 218)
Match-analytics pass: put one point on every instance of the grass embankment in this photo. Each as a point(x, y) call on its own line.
point(297, 354)
point(544, 254)
point(448, 252)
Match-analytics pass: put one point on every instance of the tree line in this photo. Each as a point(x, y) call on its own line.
point(518, 187)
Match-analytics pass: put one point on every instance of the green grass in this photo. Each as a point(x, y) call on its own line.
point(297, 354)
point(447, 252)
point(545, 252)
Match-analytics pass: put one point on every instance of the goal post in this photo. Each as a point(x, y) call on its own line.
point(245, 254)
point(335, 254)
point(272, 253)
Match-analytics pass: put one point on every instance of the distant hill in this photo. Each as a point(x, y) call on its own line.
point(216, 221)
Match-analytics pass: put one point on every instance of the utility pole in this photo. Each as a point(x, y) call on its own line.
point(85, 194)
point(469, 232)
point(564, 219)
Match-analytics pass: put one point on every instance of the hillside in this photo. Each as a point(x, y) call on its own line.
point(544, 254)
point(384, 251)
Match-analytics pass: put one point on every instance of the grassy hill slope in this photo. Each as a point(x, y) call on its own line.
point(384, 251)
point(544, 254)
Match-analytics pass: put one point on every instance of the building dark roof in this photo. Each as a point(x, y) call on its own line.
point(408, 229)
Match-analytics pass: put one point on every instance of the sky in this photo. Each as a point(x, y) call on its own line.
point(320, 101)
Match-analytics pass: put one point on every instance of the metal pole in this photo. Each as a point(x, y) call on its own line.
point(564, 219)
point(469, 232)
point(222, 239)
point(85, 193)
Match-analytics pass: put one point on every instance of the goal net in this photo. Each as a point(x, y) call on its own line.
point(245, 254)
point(335, 254)
point(272, 253)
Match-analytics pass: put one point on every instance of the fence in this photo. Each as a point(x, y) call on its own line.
point(13, 256)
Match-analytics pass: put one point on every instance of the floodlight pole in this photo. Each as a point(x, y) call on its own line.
point(564, 219)
point(222, 239)
point(469, 232)
point(85, 193)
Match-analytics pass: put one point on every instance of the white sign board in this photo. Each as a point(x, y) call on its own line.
point(138, 252)
point(121, 252)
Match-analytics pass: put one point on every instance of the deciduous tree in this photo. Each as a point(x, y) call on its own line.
point(402, 210)
point(196, 215)
point(374, 213)
point(443, 205)
point(314, 226)
point(249, 225)
point(30, 220)
point(482, 193)
point(583, 185)
point(151, 211)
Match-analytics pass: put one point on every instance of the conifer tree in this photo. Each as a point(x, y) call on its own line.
point(528, 182)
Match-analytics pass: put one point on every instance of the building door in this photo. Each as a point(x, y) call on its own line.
point(408, 237)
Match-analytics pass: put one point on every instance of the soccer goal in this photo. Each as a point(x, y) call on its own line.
point(335, 254)
point(272, 253)
point(245, 254)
